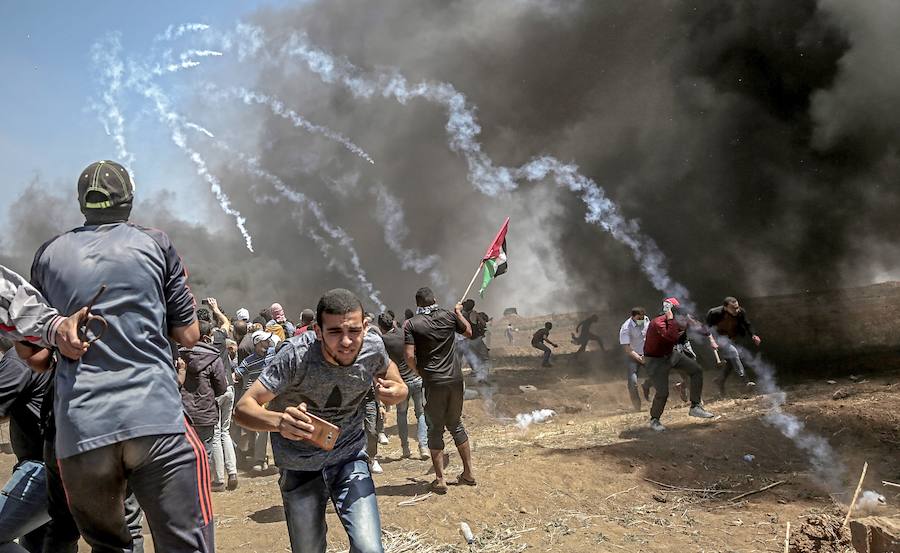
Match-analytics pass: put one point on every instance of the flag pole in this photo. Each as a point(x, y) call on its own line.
point(471, 282)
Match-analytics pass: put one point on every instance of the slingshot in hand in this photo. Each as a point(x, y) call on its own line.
point(94, 326)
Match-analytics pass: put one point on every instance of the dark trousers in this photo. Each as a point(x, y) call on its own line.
point(206, 435)
point(374, 424)
point(62, 533)
point(659, 368)
point(545, 349)
point(584, 340)
point(169, 475)
point(443, 409)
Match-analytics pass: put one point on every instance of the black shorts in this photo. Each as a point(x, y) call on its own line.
point(443, 410)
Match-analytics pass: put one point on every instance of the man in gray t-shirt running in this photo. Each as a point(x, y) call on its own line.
point(326, 373)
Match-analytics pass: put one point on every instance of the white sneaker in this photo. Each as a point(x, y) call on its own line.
point(657, 426)
point(376, 468)
point(699, 412)
point(382, 438)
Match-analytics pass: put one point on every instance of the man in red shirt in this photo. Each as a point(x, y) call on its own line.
point(662, 353)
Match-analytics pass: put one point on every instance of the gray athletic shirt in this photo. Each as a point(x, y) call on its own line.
point(125, 385)
point(299, 373)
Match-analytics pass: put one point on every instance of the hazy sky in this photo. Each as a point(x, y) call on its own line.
point(46, 126)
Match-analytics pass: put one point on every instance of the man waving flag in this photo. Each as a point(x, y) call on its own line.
point(495, 258)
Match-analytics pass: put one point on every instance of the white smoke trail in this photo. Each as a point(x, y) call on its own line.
point(176, 124)
point(336, 233)
point(198, 128)
point(277, 107)
point(524, 420)
point(190, 54)
point(389, 213)
point(105, 56)
point(822, 457)
point(186, 61)
point(173, 32)
point(463, 129)
point(248, 40)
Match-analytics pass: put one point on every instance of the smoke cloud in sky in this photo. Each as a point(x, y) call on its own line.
point(755, 142)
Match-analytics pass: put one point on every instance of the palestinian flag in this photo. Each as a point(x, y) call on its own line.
point(495, 258)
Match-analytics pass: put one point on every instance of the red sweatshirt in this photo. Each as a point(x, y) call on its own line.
point(662, 335)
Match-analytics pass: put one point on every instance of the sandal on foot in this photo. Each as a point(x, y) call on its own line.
point(438, 487)
point(463, 481)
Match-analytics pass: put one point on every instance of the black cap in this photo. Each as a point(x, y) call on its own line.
point(105, 192)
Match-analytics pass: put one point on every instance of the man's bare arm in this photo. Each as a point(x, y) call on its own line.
point(410, 352)
point(293, 423)
point(462, 319)
point(629, 351)
point(391, 389)
point(221, 319)
point(39, 359)
point(186, 336)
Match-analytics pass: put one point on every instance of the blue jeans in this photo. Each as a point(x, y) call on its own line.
point(352, 491)
point(418, 396)
point(23, 504)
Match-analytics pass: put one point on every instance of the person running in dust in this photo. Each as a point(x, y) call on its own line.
point(661, 356)
point(538, 339)
point(631, 337)
point(509, 333)
point(325, 374)
point(585, 336)
point(728, 325)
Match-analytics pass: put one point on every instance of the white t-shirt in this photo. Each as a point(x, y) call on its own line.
point(634, 335)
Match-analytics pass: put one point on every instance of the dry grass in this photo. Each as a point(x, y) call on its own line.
point(500, 539)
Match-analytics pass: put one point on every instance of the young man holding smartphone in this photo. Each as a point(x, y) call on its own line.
point(325, 376)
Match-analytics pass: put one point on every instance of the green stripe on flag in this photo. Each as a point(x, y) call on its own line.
point(490, 269)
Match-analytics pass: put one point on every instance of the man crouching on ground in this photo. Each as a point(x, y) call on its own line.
point(326, 374)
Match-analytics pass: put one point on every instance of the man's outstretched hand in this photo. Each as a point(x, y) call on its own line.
point(68, 341)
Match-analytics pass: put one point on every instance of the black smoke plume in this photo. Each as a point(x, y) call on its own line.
point(755, 141)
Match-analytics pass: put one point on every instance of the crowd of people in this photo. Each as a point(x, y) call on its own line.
point(142, 402)
point(659, 345)
point(124, 409)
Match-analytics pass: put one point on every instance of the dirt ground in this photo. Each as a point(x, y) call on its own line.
point(582, 481)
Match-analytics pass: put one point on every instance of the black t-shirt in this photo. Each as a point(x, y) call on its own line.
point(539, 336)
point(433, 335)
point(22, 392)
point(396, 350)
